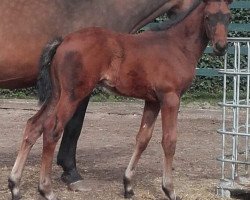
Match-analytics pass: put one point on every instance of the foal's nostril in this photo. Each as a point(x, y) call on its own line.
point(220, 47)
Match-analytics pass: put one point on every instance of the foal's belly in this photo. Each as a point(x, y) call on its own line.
point(136, 89)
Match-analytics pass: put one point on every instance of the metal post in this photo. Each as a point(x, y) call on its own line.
point(235, 159)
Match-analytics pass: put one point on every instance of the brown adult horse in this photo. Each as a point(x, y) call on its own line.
point(26, 26)
point(157, 66)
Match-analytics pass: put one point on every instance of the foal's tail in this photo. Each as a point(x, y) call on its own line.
point(44, 84)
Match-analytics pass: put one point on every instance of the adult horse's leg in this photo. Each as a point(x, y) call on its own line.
point(67, 152)
point(169, 111)
point(150, 113)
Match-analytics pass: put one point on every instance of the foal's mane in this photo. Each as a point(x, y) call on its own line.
point(169, 23)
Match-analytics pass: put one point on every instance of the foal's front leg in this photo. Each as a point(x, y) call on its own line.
point(169, 111)
point(151, 110)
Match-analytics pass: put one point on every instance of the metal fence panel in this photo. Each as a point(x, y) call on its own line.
point(235, 159)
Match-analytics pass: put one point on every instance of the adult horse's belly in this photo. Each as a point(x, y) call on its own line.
point(25, 27)
point(19, 63)
point(12, 77)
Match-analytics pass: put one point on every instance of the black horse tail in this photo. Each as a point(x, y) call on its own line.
point(44, 84)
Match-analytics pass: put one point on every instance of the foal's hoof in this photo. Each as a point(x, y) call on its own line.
point(18, 197)
point(129, 194)
point(78, 186)
point(14, 190)
point(166, 198)
point(128, 191)
point(45, 194)
point(178, 198)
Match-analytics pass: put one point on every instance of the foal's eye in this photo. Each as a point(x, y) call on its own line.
point(228, 18)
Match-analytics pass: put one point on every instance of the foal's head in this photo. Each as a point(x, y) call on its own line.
point(217, 18)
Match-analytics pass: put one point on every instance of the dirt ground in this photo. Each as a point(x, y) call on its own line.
point(106, 145)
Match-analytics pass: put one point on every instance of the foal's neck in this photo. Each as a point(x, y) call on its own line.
point(192, 32)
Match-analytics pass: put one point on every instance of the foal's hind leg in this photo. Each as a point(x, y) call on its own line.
point(151, 110)
point(33, 130)
point(169, 112)
point(53, 128)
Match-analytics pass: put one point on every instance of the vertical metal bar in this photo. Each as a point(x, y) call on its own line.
point(224, 116)
point(234, 158)
point(238, 69)
point(247, 110)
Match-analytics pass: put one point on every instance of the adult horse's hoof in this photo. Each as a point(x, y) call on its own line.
point(71, 176)
point(78, 186)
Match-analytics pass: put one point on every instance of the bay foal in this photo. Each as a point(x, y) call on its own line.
point(157, 66)
point(19, 58)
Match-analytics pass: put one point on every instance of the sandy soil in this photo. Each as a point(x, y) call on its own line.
point(105, 148)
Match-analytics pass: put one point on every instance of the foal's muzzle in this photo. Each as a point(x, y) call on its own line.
point(220, 49)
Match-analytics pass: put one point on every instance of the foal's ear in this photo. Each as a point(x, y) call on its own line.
point(230, 1)
point(206, 1)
